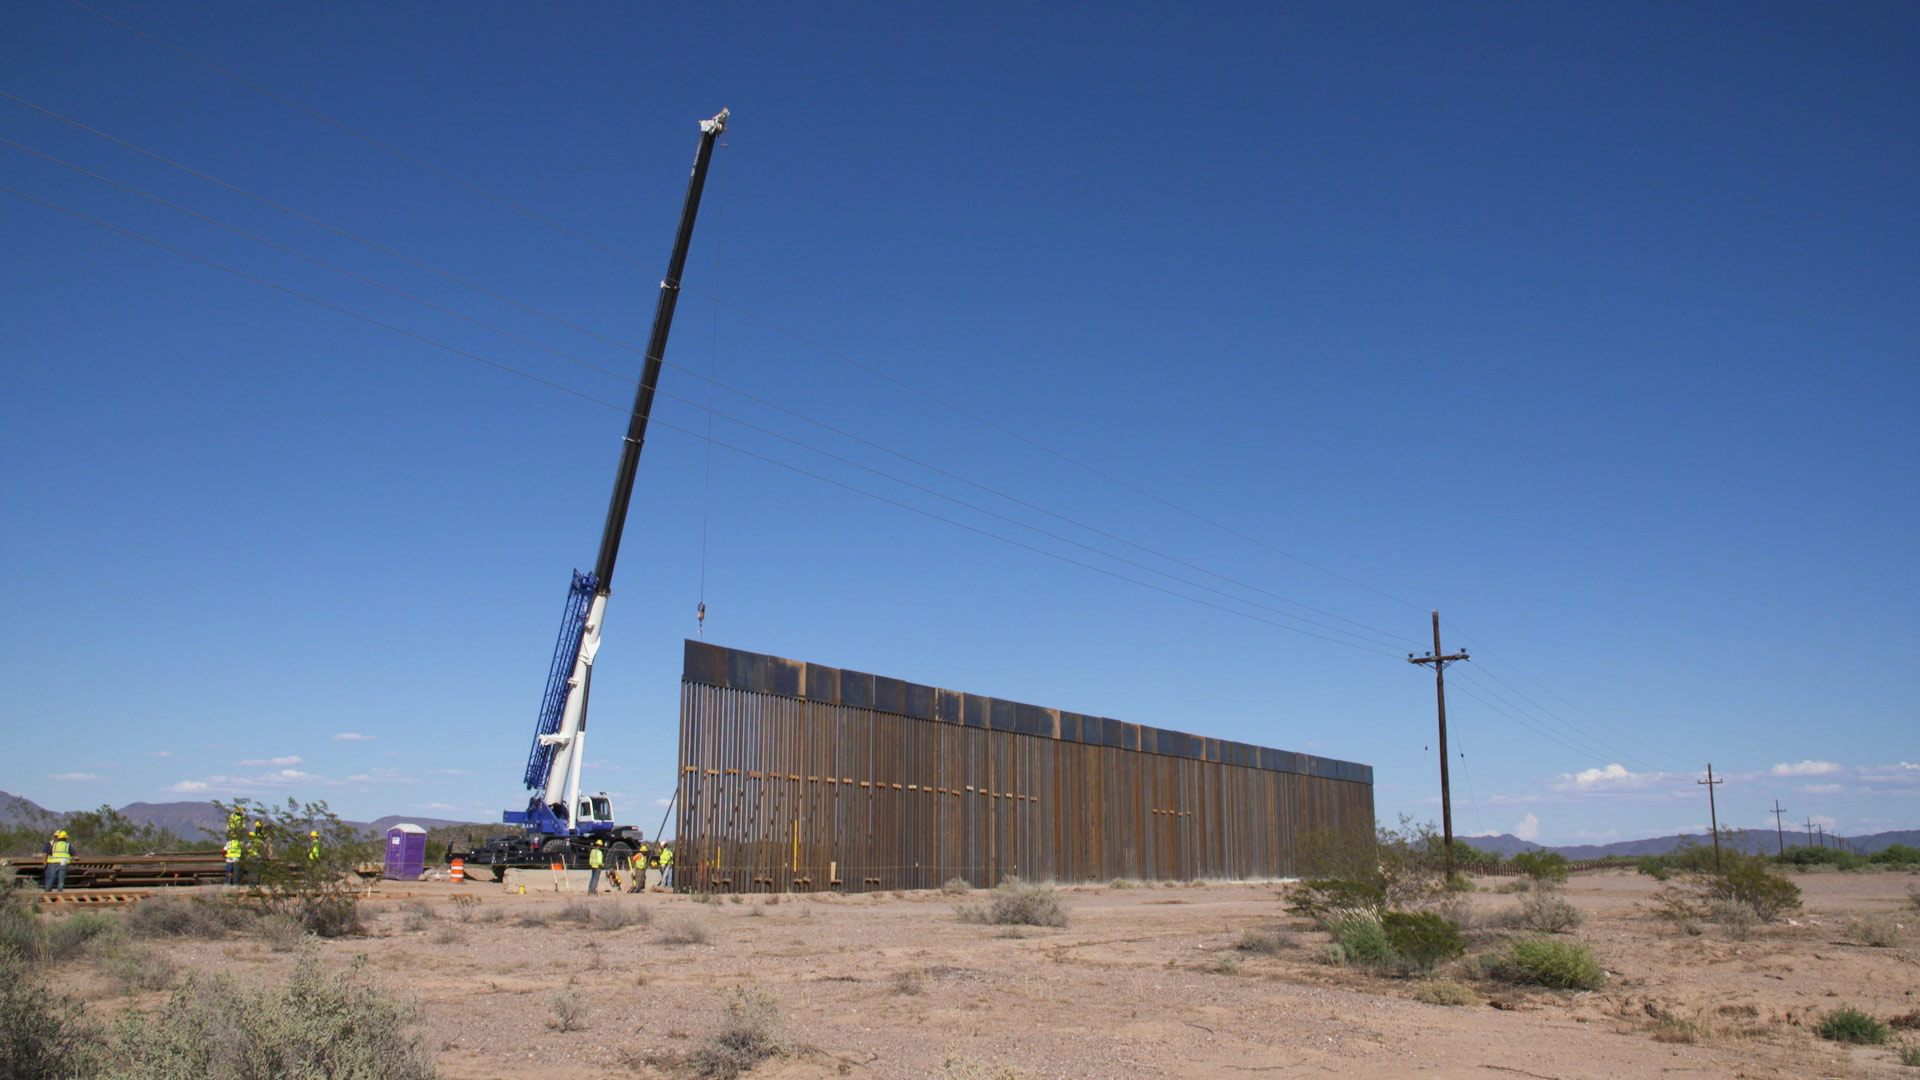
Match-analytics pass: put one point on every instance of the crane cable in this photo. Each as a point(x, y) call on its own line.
point(713, 375)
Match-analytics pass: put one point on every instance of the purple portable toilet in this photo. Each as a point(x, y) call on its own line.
point(406, 852)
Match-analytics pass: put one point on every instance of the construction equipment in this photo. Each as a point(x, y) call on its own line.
point(558, 824)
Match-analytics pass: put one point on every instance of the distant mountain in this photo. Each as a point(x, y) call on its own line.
point(17, 810)
point(185, 819)
point(194, 820)
point(1756, 840)
point(388, 822)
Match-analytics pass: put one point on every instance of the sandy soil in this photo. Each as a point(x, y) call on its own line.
point(897, 986)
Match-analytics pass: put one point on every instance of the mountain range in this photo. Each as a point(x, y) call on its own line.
point(1755, 840)
point(189, 820)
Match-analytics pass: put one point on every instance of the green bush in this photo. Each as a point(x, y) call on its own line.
point(1446, 992)
point(1909, 1055)
point(1542, 865)
point(1804, 857)
point(64, 939)
point(1850, 1025)
point(43, 1036)
point(1747, 880)
point(1360, 940)
point(320, 1024)
point(1896, 855)
point(1549, 962)
point(1320, 898)
point(1422, 939)
point(1654, 867)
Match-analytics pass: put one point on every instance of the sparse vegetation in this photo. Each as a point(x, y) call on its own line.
point(1446, 992)
point(1879, 931)
point(1360, 940)
point(1541, 865)
point(619, 915)
point(1896, 855)
point(464, 905)
point(1909, 1054)
point(1807, 858)
point(1421, 940)
point(1264, 942)
point(1121, 883)
point(908, 982)
point(953, 886)
point(959, 1067)
point(1018, 903)
point(1225, 963)
point(281, 931)
point(1549, 962)
point(187, 917)
point(43, 1035)
point(745, 1039)
point(1734, 917)
point(1547, 912)
point(1850, 1025)
point(133, 966)
point(684, 930)
point(569, 1010)
point(447, 934)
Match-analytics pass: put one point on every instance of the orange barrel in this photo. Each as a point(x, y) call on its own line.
point(459, 870)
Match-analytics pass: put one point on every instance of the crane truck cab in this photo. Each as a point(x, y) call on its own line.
point(549, 838)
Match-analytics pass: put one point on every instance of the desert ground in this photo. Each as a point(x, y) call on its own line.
point(1144, 981)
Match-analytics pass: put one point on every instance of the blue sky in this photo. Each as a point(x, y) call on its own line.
point(1594, 328)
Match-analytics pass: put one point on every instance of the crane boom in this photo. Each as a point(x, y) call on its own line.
point(553, 767)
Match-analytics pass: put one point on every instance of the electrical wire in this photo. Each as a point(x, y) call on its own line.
point(467, 354)
point(627, 347)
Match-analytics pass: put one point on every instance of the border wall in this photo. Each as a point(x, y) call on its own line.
point(799, 777)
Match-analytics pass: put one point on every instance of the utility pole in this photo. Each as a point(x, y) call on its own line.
point(1714, 811)
point(1778, 834)
point(1822, 834)
point(1809, 832)
point(1440, 660)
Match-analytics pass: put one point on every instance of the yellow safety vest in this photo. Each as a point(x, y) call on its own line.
point(233, 851)
point(666, 857)
point(253, 843)
point(62, 853)
point(596, 858)
point(313, 852)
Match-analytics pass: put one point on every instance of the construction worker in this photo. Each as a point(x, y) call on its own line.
point(59, 854)
point(641, 859)
point(596, 859)
point(256, 851)
point(235, 822)
point(233, 860)
point(666, 866)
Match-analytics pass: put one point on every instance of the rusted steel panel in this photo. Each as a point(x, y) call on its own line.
point(797, 776)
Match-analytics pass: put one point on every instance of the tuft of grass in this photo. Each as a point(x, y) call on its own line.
point(619, 915)
point(1360, 940)
point(1446, 992)
point(1460, 883)
point(281, 931)
point(1515, 885)
point(1017, 903)
point(133, 966)
point(684, 930)
point(1909, 1055)
point(1736, 917)
point(448, 935)
point(1879, 931)
point(1691, 927)
point(1675, 1029)
point(186, 917)
point(706, 898)
point(569, 1010)
point(1849, 1025)
point(1549, 962)
point(464, 905)
point(745, 1039)
point(1263, 942)
point(531, 919)
point(1546, 912)
point(959, 1067)
point(736, 898)
point(1122, 883)
point(773, 898)
point(1225, 963)
point(908, 982)
point(578, 912)
point(414, 921)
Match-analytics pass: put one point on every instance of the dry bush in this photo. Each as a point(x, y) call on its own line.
point(463, 906)
point(1016, 903)
point(43, 1035)
point(489, 915)
point(576, 911)
point(187, 917)
point(1547, 912)
point(318, 1023)
point(1265, 942)
point(448, 935)
point(1549, 962)
point(1737, 919)
point(280, 931)
point(1879, 931)
point(1676, 1029)
point(1514, 885)
point(1446, 992)
point(1121, 883)
point(772, 899)
point(684, 930)
point(908, 982)
point(745, 1039)
point(569, 1010)
point(1690, 926)
point(132, 966)
point(706, 898)
point(531, 919)
point(736, 898)
point(959, 1067)
point(415, 921)
point(618, 915)
point(756, 913)
point(1222, 964)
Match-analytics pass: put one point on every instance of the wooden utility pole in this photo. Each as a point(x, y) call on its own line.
point(1713, 810)
point(1778, 833)
point(1440, 660)
point(1809, 832)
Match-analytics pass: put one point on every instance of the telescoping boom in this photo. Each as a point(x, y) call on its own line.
point(554, 809)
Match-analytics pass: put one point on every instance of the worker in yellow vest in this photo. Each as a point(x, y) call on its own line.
point(59, 854)
point(233, 861)
point(234, 824)
point(641, 859)
point(666, 866)
point(313, 848)
point(256, 851)
point(596, 859)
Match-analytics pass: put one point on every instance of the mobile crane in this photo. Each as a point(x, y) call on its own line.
point(558, 824)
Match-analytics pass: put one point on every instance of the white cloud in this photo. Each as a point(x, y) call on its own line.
point(1823, 821)
point(160, 753)
point(464, 772)
point(1594, 776)
point(662, 802)
point(1806, 768)
point(74, 777)
point(188, 785)
point(1607, 778)
point(1821, 789)
point(290, 759)
point(441, 806)
point(1527, 828)
point(353, 736)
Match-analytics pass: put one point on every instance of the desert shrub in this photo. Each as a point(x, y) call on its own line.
point(1017, 903)
point(1549, 962)
point(578, 911)
point(63, 939)
point(1675, 1029)
point(1735, 917)
point(1222, 964)
point(1464, 853)
point(772, 900)
point(617, 916)
point(1264, 942)
point(1320, 899)
point(1541, 865)
point(318, 1024)
point(281, 931)
point(908, 982)
point(131, 965)
point(327, 914)
point(1909, 1054)
point(19, 927)
point(1913, 898)
point(954, 1066)
point(1747, 879)
point(745, 1039)
point(415, 921)
point(1446, 992)
point(447, 934)
point(1850, 1025)
point(1421, 939)
point(1120, 883)
point(43, 1035)
point(684, 930)
point(463, 906)
point(1360, 940)
point(1879, 931)
point(531, 920)
point(1654, 867)
point(1461, 883)
point(1548, 912)
point(1407, 864)
point(1809, 857)
point(1896, 855)
point(569, 1010)
point(185, 917)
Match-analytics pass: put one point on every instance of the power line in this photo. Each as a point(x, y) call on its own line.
point(1482, 672)
point(674, 427)
point(1594, 747)
point(1393, 637)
